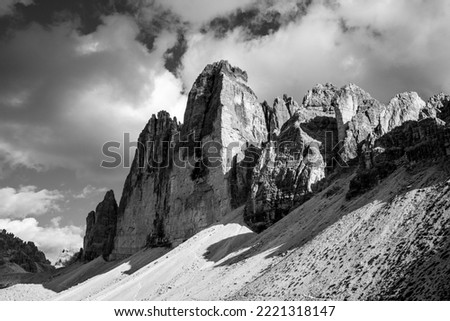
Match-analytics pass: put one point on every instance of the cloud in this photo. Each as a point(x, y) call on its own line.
point(259, 19)
point(7, 6)
point(200, 11)
point(67, 94)
point(28, 201)
point(90, 191)
point(377, 44)
point(50, 239)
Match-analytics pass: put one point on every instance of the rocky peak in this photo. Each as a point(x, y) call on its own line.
point(350, 100)
point(221, 92)
point(276, 116)
point(164, 205)
point(101, 228)
point(158, 131)
point(17, 256)
point(358, 115)
point(231, 151)
point(321, 97)
point(438, 106)
point(403, 107)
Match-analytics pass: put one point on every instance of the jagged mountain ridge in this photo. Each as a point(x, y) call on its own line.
point(164, 204)
point(389, 243)
point(17, 256)
point(362, 218)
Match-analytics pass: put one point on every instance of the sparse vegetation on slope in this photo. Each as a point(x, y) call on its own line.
point(14, 251)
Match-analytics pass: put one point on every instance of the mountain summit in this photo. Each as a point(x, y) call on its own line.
point(328, 199)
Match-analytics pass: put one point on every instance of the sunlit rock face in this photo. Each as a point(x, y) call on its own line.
point(232, 151)
point(285, 176)
point(358, 116)
point(166, 203)
point(321, 98)
point(438, 106)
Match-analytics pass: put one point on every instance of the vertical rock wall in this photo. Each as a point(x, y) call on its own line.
point(101, 229)
point(162, 205)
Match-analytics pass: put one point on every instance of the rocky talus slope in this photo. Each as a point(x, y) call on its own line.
point(388, 243)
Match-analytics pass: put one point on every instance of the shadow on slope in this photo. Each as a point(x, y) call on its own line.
point(326, 208)
point(395, 247)
point(221, 249)
point(79, 273)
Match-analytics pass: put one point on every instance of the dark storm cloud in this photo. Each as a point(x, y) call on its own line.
point(87, 16)
point(65, 94)
point(258, 19)
point(87, 13)
point(173, 55)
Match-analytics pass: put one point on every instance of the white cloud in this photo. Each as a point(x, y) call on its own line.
point(28, 201)
point(82, 91)
point(385, 50)
point(89, 191)
point(49, 239)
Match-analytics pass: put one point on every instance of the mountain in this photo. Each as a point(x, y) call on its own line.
point(339, 197)
point(100, 229)
point(17, 256)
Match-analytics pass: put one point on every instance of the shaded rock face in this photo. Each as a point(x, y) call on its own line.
point(405, 145)
point(168, 204)
point(145, 196)
point(275, 117)
point(101, 229)
point(241, 175)
point(284, 176)
point(26, 255)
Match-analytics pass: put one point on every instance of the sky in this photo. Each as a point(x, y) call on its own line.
point(75, 74)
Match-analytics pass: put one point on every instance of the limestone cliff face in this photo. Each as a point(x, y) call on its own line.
point(402, 108)
point(231, 150)
point(330, 124)
point(145, 196)
point(277, 115)
point(164, 204)
point(284, 176)
point(359, 116)
point(101, 228)
point(405, 145)
point(321, 97)
point(438, 106)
